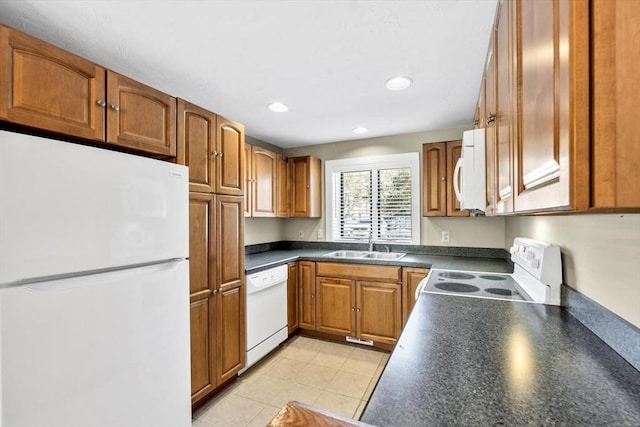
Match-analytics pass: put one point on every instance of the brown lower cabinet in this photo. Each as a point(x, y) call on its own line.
point(307, 294)
point(411, 278)
point(292, 297)
point(358, 300)
point(217, 291)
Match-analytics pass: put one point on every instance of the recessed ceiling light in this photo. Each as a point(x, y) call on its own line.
point(360, 130)
point(277, 107)
point(398, 83)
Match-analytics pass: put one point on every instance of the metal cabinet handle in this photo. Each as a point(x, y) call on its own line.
point(353, 309)
point(313, 296)
point(442, 178)
point(220, 154)
point(215, 291)
point(215, 153)
point(101, 102)
point(358, 309)
point(115, 107)
point(491, 118)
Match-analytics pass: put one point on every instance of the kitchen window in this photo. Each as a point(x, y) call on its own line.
point(374, 196)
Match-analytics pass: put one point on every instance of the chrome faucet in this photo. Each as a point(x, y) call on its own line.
point(371, 241)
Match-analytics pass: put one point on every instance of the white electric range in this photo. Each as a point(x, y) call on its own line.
point(537, 277)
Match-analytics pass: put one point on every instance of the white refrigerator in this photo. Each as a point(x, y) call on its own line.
point(94, 310)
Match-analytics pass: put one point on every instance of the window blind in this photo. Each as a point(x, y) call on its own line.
point(374, 202)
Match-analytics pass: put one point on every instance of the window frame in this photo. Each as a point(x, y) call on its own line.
point(402, 160)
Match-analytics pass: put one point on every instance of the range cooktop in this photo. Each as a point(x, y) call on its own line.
point(474, 284)
point(537, 277)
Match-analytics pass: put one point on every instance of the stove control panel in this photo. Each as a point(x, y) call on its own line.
point(541, 260)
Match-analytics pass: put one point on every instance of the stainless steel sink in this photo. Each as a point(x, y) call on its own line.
point(384, 255)
point(365, 254)
point(346, 254)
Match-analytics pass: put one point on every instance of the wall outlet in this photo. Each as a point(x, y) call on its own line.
point(301, 234)
point(445, 237)
point(319, 234)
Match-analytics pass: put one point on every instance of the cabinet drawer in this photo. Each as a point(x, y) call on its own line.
point(361, 271)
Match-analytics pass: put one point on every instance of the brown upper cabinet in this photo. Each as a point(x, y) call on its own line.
point(552, 147)
point(505, 112)
point(283, 192)
point(615, 101)
point(44, 87)
point(306, 187)
point(438, 163)
point(213, 149)
point(537, 102)
point(229, 154)
point(490, 129)
point(263, 182)
point(140, 117)
point(248, 180)
point(48, 88)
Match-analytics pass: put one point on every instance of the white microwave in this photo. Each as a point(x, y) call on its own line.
point(469, 176)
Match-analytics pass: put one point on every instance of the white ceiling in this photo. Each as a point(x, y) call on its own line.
point(327, 60)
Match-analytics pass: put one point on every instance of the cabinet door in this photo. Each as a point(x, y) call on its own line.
point(248, 180)
point(454, 152)
point(196, 145)
point(490, 132)
point(45, 87)
point(292, 297)
point(229, 255)
point(203, 349)
point(336, 306)
point(434, 185)
point(140, 117)
point(306, 187)
point(482, 107)
point(231, 331)
point(229, 157)
point(307, 294)
point(616, 102)
point(552, 153)
point(505, 93)
point(264, 185)
point(282, 186)
point(411, 278)
point(203, 301)
point(379, 311)
point(229, 238)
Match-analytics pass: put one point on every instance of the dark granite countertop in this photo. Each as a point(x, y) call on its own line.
point(263, 260)
point(469, 361)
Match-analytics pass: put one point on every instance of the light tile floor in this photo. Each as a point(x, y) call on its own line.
point(336, 377)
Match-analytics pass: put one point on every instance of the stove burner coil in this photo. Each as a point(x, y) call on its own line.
point(456, 275)
point(492, 277)
point(456, 287)
point(502, 292)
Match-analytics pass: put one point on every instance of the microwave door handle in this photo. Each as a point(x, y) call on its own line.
point(456, 179)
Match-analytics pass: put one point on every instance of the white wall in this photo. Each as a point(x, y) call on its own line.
point(474, 232)
point(600, 254)
point(263, 230)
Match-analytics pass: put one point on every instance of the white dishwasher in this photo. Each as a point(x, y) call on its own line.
point(266, 312)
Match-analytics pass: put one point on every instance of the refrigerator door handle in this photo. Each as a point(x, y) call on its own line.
point(100, 277)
